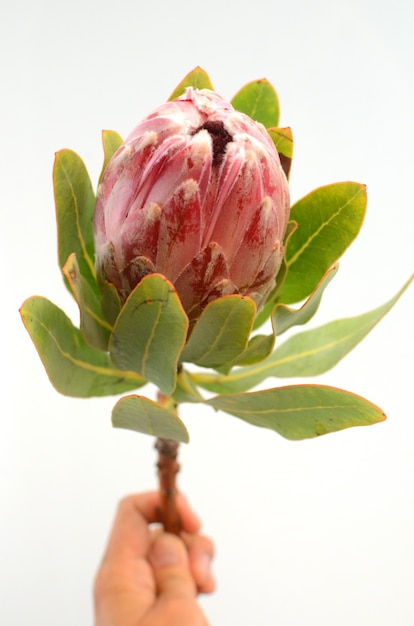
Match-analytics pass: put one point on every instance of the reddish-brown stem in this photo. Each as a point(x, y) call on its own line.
point(167, 470)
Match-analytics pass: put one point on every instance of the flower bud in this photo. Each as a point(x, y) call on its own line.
point(197, 193)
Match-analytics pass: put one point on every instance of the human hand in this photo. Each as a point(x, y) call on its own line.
point(148, 577)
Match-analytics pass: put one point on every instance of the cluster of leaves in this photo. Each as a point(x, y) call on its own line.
point(118, 349)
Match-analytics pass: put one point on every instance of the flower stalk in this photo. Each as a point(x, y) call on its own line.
point(168, 468)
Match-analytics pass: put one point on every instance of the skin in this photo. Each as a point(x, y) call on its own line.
point(148, 577)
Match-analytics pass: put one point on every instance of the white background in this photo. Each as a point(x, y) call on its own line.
point(314, 533)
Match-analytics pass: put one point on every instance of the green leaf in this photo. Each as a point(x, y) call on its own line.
point(306, 354)
point(283, 141)
point(221, 333)
point(93, 326)
point(150, 332)
point(75, 203)
point(316, 351)
point(259, 347)
point(185, 390)
point(111, 141)
point(285, 317)
point(258, 99)
point(329, 219)
point(74, 368)
point(300, 411)
point(197, 78)
point(110, 302)
point(148, 417)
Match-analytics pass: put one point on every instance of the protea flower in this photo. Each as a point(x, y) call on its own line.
point(197, 193)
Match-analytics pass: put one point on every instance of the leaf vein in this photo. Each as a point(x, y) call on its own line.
point(322, 407)
point(317, 232)
point(78, 227)
point(84, 364)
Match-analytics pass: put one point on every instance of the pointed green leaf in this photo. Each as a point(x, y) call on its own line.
point(285, 317)
point(316, 351)
point(150, 332)
point(283, 140)
point(148, 417)
point(75, 202)
point(300, 411)
point(186, 391)
point(93, 325)
point(74, 368)
point(329, 219)
point(111, 141)
point(222, 331)
point(306, 354)
point(110, 302)
point(259, 347)
point(258, 99)
point(197, 78)
point(226, 383)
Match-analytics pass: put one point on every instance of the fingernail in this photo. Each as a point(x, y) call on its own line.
point(165, 551)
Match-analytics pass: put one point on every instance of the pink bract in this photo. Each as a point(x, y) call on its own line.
point(197, 193)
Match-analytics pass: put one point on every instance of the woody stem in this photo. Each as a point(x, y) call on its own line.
point(168, 468)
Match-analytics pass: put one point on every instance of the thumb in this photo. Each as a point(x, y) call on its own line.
point(169, 560)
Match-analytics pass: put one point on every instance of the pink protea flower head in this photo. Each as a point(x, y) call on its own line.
point(197, 193)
